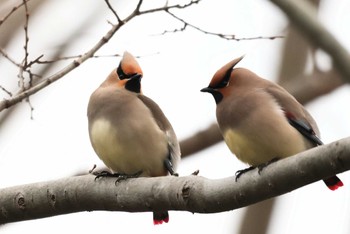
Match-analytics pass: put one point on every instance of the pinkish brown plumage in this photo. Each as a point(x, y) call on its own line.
point(260, 120)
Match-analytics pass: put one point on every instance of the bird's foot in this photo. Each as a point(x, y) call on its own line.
point(263, 165)
point(241, 172)
point(119, 176)
point(105, 174)
point(124, 176)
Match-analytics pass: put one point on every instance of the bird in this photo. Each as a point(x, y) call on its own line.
point(128, 131)
point(259, 120)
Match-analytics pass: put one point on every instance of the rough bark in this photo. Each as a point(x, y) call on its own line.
point(188, 193)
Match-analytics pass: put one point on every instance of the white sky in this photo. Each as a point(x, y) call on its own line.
point(176, 66)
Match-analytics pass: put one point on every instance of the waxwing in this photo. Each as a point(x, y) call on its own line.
point(128, 131)
point(259, 120)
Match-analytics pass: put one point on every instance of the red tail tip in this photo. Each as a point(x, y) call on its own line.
point(157, 222)
point(336, 186)
point(333, 182)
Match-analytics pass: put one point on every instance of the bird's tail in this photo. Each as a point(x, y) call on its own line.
point(160, 216)
point(333, 182)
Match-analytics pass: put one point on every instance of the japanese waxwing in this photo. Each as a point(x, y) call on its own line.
point(128, 131)
point(259, 120)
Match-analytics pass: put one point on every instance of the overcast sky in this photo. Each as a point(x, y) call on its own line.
point(55, 143)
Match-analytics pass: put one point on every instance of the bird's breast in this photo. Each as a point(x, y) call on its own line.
point(129, 148)
point(105, 141)
point(263, 146)
point(242, 147)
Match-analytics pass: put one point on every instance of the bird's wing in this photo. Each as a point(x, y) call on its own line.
point(296, 114)
point(164, 125)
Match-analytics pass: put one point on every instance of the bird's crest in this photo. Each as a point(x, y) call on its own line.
point(222, 77)
point(128, 67)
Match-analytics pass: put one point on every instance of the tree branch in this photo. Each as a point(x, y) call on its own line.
point(221, 35)
point(3, 53)
point(113, 11)
point(166, 7)
point(22, 94)
point(6, 103)
point(189, 193)
point(257, 218)
point(200, 140)
point(12, 11)
point(303, 15)
point(314, 85)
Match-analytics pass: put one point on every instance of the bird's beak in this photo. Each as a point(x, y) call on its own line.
point(207, 90)
point(134, 83)
point(216, 94)
point(136, 77)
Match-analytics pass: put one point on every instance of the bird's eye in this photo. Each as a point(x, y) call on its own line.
point(121, 73)
point(225, 80)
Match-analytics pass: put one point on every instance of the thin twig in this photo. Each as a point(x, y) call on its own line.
point(31, 108)
point(77, 56)
point(35, 60)
point(15, 8)
point(137, 10)
point(6, 91)
point(21, 79)
point(221, 35)
point(6, 103)
point(24, 67)
point(113, 11)
point(74, 57)
point(165, 8)
point(26, 40)
point(3, 53)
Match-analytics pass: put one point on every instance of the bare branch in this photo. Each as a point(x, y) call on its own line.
point(26, 40)
point(24, 67)
point(45, 67)
point(6, 91)
point(256, 218)
point(13, 24)
point(294, 57)
point(113, 11)
point(12, 11)
point(137, 10)
point(35, 60)
point(314, 85)
point(31, 108)
point(38, 61)
point(60, 50)
point(221, 35)
point(3, 53)
point(303, 15)
point(200, 140)
point(22, 94)
point(189, 193)
point(166, 7)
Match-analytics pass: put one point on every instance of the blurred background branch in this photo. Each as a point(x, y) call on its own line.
point(303, 15)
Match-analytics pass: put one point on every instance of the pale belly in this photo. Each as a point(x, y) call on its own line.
point(256, 149)
point(126, 153)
